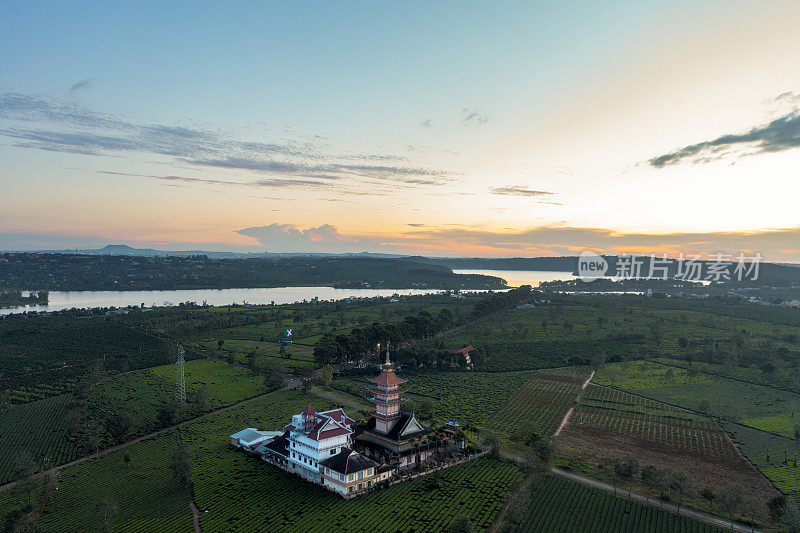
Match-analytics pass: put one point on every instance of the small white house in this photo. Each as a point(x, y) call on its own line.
point(250, 438)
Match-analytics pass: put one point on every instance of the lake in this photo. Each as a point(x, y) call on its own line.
point(515, 278)
point(59, 300)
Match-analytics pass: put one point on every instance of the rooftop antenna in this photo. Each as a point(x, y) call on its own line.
point(387, 353)
point(180, 381)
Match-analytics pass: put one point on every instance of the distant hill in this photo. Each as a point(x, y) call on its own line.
point(124, 249)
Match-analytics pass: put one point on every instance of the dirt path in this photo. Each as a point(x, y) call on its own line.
point(521, 488)
point(571, 409)
point(195, 517)
point(338, 399)
point(58, 468)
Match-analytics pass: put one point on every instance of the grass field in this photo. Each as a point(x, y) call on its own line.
point(39, 429)
point(557, 504)
point(748, 403)
point(776, 456)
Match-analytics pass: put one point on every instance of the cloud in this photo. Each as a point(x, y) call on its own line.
point(45, 124)
point(779, 135)
point(325, 239)
point(470, 115)
point(519, 190)
point(774, 245)
point(789, 97)
point(459, 240)
point(83, 84)
point(416, 225)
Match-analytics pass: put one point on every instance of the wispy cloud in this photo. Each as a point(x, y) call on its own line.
point(519, 190)
point(47, 124)
point(782, 133)
point(473, 116)
point(83, 84)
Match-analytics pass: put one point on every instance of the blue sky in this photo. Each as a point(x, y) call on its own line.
point(413, 127)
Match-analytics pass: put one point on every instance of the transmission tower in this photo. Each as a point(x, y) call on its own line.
point(180, 381)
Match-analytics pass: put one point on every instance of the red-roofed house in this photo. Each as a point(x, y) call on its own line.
point(465, 351)
point(315, 436)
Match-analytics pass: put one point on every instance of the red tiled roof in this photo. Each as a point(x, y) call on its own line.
point(318, 432)
point(465, 350)
point(335, 432)
point(387, 378)
point(339, 416)
point(309, 410)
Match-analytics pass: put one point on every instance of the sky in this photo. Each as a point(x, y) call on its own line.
point(449, 128)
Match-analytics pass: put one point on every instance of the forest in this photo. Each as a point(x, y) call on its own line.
point(77, 272)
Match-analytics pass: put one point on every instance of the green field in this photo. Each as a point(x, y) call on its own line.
point(39, 430)
point(550, 336)
point(557, 504)
point(291, 357)
point(776, 456)
point(143, 392)
point(749, 403)
point(44, 356)
point(471, 397)
point(227, 383)
point(237, 492)
point(42, 429)
point(538, 406)
point(149, 498)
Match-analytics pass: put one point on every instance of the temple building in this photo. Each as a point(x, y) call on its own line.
point(392, 435)
point(330, 449)
point(317, 446)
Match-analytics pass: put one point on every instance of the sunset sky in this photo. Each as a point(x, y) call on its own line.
point(481, 129)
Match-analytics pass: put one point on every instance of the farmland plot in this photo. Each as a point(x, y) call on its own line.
point(541, 403)
point(38, 429)
point(612, 423)
point(557, 504)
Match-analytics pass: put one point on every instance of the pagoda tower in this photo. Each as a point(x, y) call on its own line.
point(386, 390)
